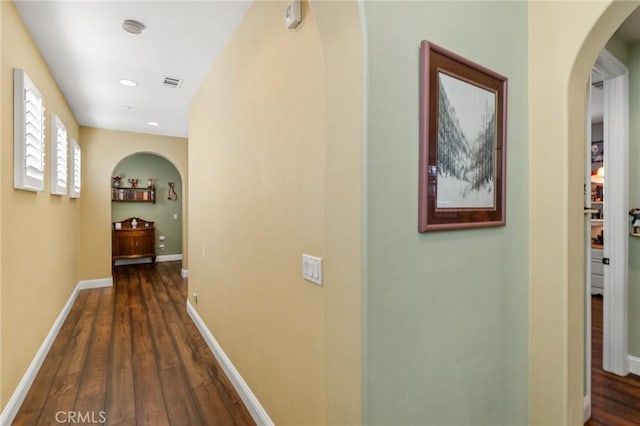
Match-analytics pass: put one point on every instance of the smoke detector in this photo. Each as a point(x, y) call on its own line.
point(132, 26)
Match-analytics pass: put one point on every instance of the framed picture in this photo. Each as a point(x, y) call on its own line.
point(463, 122)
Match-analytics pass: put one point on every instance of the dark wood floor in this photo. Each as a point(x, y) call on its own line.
point(615, 400)
point(132, 356)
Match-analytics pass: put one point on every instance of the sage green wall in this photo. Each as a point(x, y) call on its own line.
point(618, 48)
point(142, 166)
point(634, 198)
point(446, 336)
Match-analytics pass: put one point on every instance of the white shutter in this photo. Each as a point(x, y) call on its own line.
point(29, 131)
point(59, 156)
point(75, 174)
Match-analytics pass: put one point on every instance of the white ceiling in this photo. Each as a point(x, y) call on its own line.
point(88, 54)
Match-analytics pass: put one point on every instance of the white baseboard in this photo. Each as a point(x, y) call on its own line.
point(13, 406)
point(184, 273)
point(102, 282)
point(256, 410)
point(586, 415)
point(138, 261)
point(634, 364)
point(168, 257)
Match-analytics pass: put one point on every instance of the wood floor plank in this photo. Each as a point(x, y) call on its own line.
point(61, 342)
point(120, 405)
point(36, 397)
point(61, 398)
point(211, 405)
point(165, 353)
point(150, 407)
point(92, 408)
point(94, 378)
point(179, 400)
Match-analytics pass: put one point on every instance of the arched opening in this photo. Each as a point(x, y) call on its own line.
point(559, 78)
point(158, 198)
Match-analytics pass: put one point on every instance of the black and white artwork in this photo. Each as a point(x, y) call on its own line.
point(466, 135)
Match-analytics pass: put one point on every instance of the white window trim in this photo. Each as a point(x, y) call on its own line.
point(28, 134)
point(75, 175)
point(59, 163)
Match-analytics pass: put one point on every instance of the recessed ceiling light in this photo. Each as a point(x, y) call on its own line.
point(128, 83)
point(153, 123)
point(127, 107)
point(132, 26)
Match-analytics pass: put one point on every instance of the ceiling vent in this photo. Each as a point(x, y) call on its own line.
point(172, 82)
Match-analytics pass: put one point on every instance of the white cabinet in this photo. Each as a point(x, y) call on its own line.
point(597, 271)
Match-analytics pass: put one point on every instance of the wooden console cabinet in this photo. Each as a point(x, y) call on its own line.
point(131, 242)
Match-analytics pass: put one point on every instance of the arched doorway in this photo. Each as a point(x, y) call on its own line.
point(559, 72)
point(165, 210)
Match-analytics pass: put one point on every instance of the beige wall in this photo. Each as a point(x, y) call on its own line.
point(274, 154)
point(341, 32)
point(102, 150)
point(564, 41)
point(39, 231)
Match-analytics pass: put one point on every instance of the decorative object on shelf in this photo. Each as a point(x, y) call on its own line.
point(463, 127)
point(134, 223)
point(172, 192)
point(635, 212)
point(116, 180)
point(134, 183)
point(150, 182)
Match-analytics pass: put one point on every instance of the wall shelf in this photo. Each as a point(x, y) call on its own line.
point(141, 195)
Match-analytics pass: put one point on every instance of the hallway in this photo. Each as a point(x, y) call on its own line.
point(130, 355)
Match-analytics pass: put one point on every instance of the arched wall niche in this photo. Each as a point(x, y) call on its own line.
point(166, 213)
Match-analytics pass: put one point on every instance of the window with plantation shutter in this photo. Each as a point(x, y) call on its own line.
point(59, 156)
point(75, 161)
point(28, 137)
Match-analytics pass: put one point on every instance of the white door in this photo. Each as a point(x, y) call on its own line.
point(616, 208)
point(596, 78)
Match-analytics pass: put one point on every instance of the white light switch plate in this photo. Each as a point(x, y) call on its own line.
point(312, 269)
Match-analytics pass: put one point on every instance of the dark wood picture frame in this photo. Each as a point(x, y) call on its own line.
point(463, 129)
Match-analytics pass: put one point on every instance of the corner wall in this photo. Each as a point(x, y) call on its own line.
point(447, 326)
point(274, 163)
point(102, 150)
point(39, 232)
